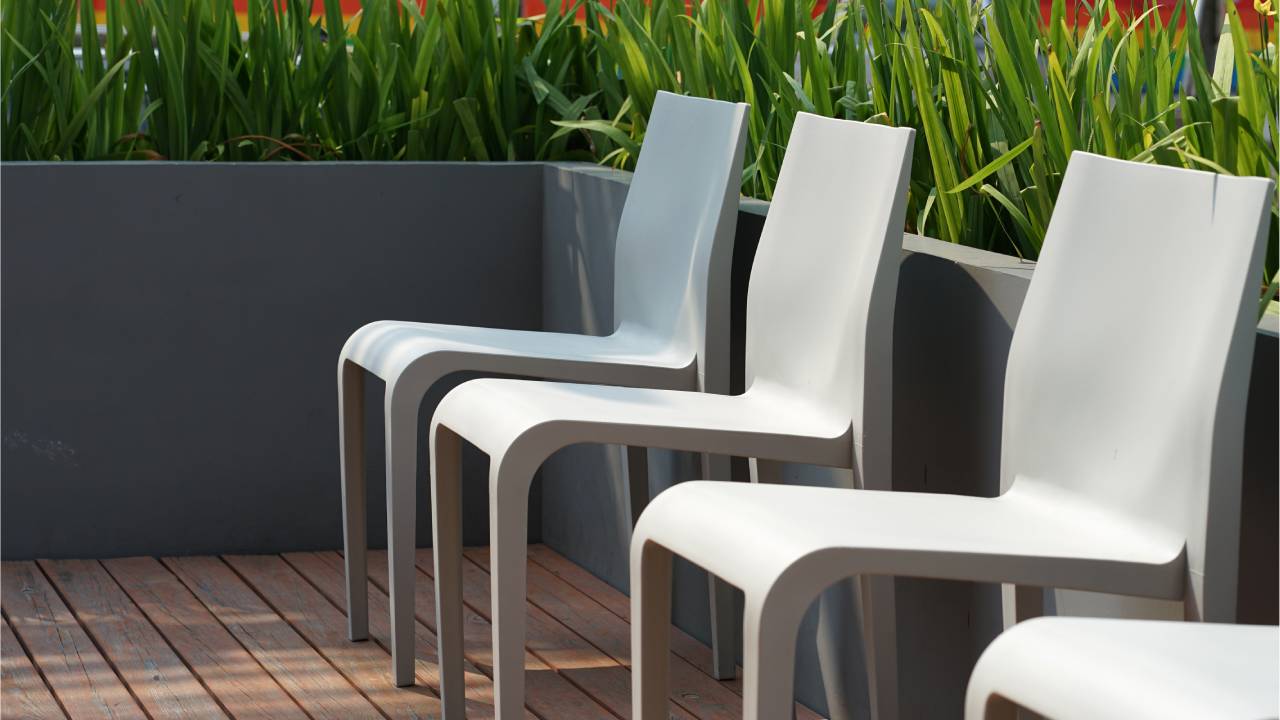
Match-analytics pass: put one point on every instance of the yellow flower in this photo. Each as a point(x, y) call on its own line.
point(1263, 7)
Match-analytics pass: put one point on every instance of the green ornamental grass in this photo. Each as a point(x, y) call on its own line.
point(999, 96)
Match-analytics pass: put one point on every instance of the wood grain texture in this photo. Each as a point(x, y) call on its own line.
point(612, 599)
point(364, 664)
point(320, 689)
point(581, 662)
point(329, 580)
point(550, 695)
point(690, 688)
point(265, 637)
point(80, 677)
point(23, 693)
point(230, 673)
point(157, 676)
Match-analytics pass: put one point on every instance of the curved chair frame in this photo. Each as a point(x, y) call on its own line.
point(819, 334)
point(1121, 447)
point(1094, 669)
point(673, 257)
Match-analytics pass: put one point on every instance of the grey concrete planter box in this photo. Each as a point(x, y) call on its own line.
point(170, 334)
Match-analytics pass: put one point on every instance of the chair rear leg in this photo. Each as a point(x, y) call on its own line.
point(837, 642)
point(1028, 602)
point(880, 637)
point(355, 545)
point(724, 616)
point(401, 423)
point(637, 480)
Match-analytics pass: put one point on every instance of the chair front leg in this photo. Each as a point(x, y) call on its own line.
point(355, 543)
point(446, 529)
point(771, 622)
point(401, 424)
point(650, 630)
point(508, 546)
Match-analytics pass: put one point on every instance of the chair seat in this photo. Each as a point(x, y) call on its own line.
point(1027, 536)
point(388, 347)
point(494, 413)
point(1068, 668)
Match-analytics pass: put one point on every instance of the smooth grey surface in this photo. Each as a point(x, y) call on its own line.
point(956, 310)
point(171, 333)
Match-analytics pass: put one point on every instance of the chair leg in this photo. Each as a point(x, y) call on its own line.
point(879, 635)
point(637, 480)
point(837, 647)
point(724, 638)
point(446, 529)
point(769, 657)
point(762, 471)
point(724, 621)
point(508, 554)
point(355, 544)
point(1020, 602)
point(650, 631)
point(765, 471)
point(1028, 602)
point(401, 422)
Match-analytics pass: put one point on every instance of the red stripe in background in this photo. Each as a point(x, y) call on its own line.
point(534, 7)
point(1128, 8)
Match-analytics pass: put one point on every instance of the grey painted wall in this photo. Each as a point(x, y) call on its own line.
point(171, 333)
point(953, 325)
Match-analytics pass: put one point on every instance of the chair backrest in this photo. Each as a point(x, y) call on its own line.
point(677, 226)
point(1129, 367)
point(825, 279)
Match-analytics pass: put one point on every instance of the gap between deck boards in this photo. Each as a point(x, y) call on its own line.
point(264, 636)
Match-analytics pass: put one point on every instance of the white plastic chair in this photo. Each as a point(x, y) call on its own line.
point(819, 332)
point(1122, 402)
point(675, 236)
point(1095, 669)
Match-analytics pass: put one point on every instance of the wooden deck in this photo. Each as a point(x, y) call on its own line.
point(264, 636)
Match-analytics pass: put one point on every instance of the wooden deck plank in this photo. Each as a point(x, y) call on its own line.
point(157, 676)
point(547, 692)
point(23, 693)
point(320, 689)
point(265, 637)
point(80, 677)
point(584, 664)
point(682, 644)
point(243, 687)
point(690, 688)
point(365, 664)
point(77, 673)
point(330, 581)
